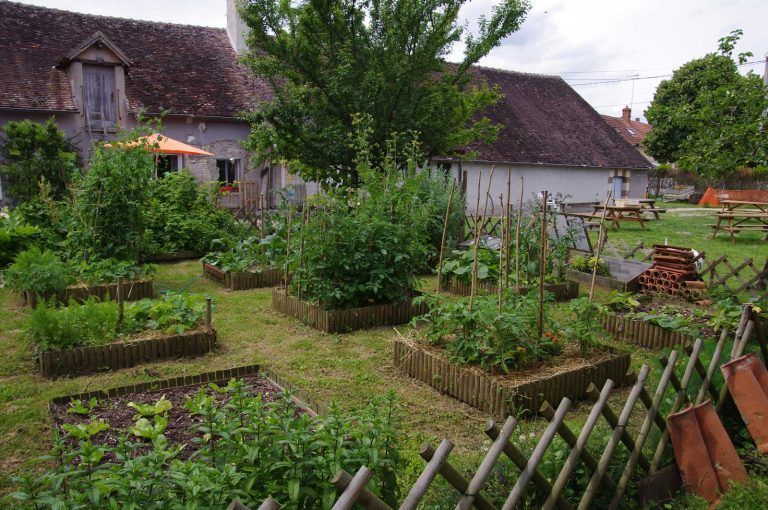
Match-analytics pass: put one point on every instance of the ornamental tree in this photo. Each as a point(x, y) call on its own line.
point(325, 61)
point(709, 118)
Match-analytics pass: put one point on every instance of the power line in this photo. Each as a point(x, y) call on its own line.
point(620, 104)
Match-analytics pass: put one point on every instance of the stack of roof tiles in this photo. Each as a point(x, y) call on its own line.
point(673, 273)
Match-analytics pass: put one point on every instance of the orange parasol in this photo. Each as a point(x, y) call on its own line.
point(164, 145)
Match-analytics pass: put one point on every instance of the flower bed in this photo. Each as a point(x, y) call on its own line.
point(350, 319)
point(501, 395)
point(562, 291)
point(132, 290)
point(117, 355)
point(243, 280)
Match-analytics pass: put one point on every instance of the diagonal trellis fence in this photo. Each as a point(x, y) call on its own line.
point(692, 387)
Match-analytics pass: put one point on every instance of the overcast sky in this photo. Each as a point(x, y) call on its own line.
point(585, 41)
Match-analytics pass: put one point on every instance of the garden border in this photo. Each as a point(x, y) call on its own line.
point(219, 377)
point(243, 280)
point(172, 256)
point(564, 291)
point(349, 319)
point(133, 290)
point(118, 355)
point(486, 393)
point(642, 333)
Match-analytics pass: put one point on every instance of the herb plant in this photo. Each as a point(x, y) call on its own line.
point(586, 264)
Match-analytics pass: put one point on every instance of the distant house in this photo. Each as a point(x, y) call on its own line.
point(633, 130)
point(96, 74)
point(555, 140)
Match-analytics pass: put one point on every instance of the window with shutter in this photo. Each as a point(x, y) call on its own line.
point(100, 96)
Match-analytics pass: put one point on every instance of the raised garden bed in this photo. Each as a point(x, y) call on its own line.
point(641, 332)
point(623, 277)
point(563, 291)
point(504, 395)
point(172, 256)
point(243, 280)
point(113, 403)
point(132, 290)
point(350, 319)
point(117, 355)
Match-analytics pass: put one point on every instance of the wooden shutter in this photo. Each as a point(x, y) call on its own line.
point(100, 95)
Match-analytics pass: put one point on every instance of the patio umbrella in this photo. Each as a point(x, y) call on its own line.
point(161, 144)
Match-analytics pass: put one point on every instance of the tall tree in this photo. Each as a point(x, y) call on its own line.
point(31, 153)
point(708, 118)
point(327, 60)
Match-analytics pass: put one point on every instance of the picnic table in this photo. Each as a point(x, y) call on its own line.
point(615, 214)
point(647, 205)
point(741, 215)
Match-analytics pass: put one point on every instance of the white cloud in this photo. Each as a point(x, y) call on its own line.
point(563, 37)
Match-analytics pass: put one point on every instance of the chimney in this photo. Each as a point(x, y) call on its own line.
point(626, 114)
point(236, 28)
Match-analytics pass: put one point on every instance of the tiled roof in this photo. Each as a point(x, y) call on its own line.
point(186, 69)
point(547, 122)
point(633, 131)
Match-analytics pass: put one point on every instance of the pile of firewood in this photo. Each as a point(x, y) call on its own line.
point(673, 273)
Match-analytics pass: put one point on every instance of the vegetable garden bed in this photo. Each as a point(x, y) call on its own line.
point(350, 319)
point(642, 332)
point(132, 290)
point(243, 280)
point(499, 395)
point(563, 291)
point(623, 275)
point(117, 355)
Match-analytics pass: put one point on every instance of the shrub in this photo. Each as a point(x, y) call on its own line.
point(179, 216)
point(15, 236)
point(496, 339)
point(587, 265)
point(248, 448)
point(35, 153)
point(41, 272)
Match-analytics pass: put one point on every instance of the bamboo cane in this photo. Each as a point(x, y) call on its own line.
point(507, 212)
point(442, 241)
point(287, 248)
point(542, 263)
point(301, 247)
point(599, 246)
point(517, 235)
point(474, 239)
point(501, 253)
point(478, 231)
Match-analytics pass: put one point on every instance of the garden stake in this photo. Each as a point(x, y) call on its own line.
point(261, 207)
point(120, 303)
point(442, 241)
point(517, 235)
point(208, 320)
point(287, 248)
point(301, 248)
point(599, 246)
point(507, 212)
point(542, 263)
point(474, 239)
point(478, 231)
point(501, 253)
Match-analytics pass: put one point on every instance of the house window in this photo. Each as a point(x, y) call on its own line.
point(100, 96)
point(167, 164)
point(227, 171)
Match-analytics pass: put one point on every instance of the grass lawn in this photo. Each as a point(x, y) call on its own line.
point(688, 228)
point(347, 369)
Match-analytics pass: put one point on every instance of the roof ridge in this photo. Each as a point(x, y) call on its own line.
point(101, 16)
point(523, 73)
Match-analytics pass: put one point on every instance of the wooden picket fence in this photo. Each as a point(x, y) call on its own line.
point(656, 482)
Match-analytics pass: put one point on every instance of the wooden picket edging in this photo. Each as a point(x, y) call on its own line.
point(133, 290)
point(350, 319)
point(172, 256)
point(642, 333)
point(117, 355)
point(490, 393)
point(637, 436)
point(243, 280)
point(563, 291)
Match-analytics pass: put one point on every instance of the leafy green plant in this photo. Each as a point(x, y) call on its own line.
point(250, 254)
point(109, 270)
point(38, 271)
point(727, 314)
point(247, 448)
point(173, 312)
point(585, 326)
point(623, 301)
point(78, 407)
point(496, 339)
point(460, 265)
point(162, 406)
point(586, 264)
point(15, 236)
